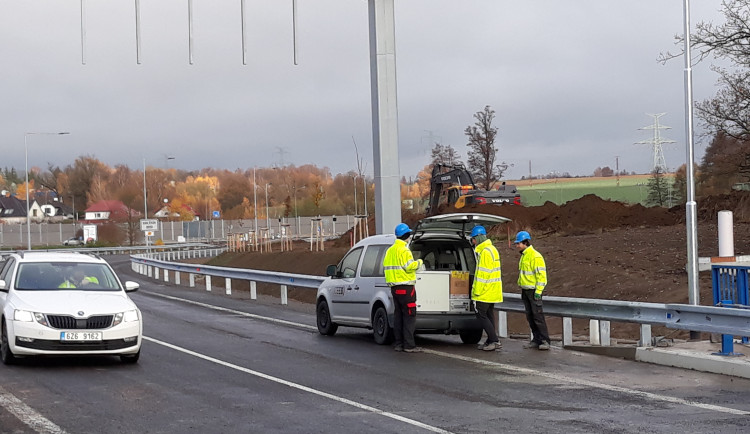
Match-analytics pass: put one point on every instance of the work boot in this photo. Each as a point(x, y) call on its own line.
point(532, 345)
point(398, 348)
point(414, 350)
point(544, 346)
point(481, 346)
point(490, 347)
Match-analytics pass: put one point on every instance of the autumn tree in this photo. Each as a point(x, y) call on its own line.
point(482, 151)
point(235, 188)
point(722, 163)
point(81, 175)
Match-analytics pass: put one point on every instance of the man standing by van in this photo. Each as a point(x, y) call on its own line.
point(487, 288)
point(400, 274)
point(532, 278)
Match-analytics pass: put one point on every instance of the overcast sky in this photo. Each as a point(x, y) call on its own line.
point(571, 82)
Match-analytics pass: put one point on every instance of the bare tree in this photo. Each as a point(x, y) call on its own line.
point(728, 112)
point(444, 154)
point(482, 150)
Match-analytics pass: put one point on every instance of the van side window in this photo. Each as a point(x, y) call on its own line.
point(348, 265)
point(5, 274)
point(372, 264)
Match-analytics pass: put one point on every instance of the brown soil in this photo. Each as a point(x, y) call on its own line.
point(594, 248)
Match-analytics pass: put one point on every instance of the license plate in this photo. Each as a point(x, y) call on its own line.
point(80, 336)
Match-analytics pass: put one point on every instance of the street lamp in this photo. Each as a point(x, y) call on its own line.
point(26, 153)
point(268, 219)
point(296, 216)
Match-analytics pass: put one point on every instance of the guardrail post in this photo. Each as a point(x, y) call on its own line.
point(645, 340)
point(567, 331)
point(228, 285)
point(150, 270)
point(594, 332)
point(156, 273)
point(283, 295)
point(208, 282)
point(502, 323)
point(176, 277)
point(191, 278)
point(166, 275)
point(253, 291)
point(604, 334)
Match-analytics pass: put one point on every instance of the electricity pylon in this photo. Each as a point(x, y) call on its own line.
point(656, 142)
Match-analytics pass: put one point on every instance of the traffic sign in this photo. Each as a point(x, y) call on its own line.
point(149, 224)
point(216, 214)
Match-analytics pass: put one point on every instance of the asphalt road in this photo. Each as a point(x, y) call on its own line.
point(213, 363)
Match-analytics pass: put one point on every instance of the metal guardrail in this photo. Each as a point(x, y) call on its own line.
point(125, 249)
point(676, 316)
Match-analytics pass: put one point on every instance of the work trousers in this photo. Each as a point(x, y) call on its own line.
point(486, 316)
point(404, 315)
point(535, 317)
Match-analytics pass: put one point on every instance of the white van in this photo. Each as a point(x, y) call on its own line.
point(355, 293)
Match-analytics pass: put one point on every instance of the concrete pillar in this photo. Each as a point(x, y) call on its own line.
point(253, 292)
point(501, 319)
point(645, 340)
point(176, 277)
point(156, 273)
point(567, 331)
point(208, 282)
point(150, 271)
point(228, 285)
point(283, 295)
point(594, 332)
point(604, 335)
point(166, 275)
point(191, 278)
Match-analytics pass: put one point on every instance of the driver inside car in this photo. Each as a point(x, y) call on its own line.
point(78, 279)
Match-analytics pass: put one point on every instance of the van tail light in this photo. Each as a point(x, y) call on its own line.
point(517, 200)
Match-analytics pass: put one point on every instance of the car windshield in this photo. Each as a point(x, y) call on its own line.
point(46, 276)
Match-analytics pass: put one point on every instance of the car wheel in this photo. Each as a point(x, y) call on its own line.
point(130, 358)
point(5, 353)
point(381, 329)
point(325, 325)
point(472, 336)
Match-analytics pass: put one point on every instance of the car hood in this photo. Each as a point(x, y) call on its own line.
point(69, 302)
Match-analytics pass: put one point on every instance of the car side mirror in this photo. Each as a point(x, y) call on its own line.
point(3, 285)
point(131, 286)
point(331, 271)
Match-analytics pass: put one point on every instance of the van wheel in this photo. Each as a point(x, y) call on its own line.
point(5, 353)
point(325, 325)
point(472, 336)
point(381, 329)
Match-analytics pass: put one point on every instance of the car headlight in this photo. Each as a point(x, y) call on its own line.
point(127, 316)
point(26, 316)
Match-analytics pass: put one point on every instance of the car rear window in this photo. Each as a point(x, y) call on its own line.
point(444, 256)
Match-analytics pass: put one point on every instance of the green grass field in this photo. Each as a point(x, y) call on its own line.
point(632, 189)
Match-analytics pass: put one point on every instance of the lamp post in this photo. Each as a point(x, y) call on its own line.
point(28, 206)
point(296, 216)
point(255, 203)
point(268, 218)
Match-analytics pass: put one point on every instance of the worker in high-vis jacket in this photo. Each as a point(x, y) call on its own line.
point(487, 288)
point(400, 274)
point(532, 279)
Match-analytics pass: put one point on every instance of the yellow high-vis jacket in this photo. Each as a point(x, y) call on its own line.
point(488, 286)
point(399, 265)
point(532, 272)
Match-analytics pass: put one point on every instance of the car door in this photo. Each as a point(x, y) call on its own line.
point(370, 282)
point(343, 292)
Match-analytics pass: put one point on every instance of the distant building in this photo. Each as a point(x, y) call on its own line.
point(107, 211)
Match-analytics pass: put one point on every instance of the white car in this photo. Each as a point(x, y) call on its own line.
point(64, 304)
point(72, 242)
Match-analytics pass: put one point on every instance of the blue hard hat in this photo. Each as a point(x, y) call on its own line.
point(402, 229)
point(522, 236)
point(478, 230)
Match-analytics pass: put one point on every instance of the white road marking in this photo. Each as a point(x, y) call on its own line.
point(238, 312)
point(28, 415)
point(593, 384)
point(507, 367)
point(301, 387)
